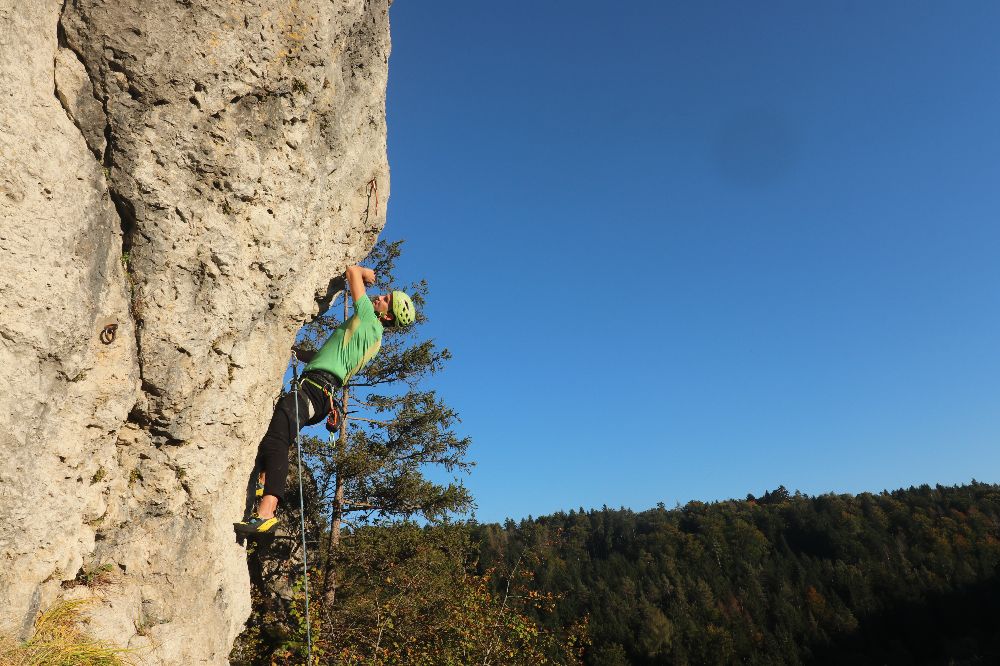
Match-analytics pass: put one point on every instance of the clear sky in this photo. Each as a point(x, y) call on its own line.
point(691, 250)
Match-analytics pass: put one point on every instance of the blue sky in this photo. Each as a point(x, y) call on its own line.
point(694, 250)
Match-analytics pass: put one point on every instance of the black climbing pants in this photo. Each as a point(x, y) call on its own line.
point(272, 453)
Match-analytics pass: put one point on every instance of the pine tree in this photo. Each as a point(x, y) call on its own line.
point(394, 431)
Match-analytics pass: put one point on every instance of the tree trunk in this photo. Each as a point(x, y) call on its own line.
point(337, 508)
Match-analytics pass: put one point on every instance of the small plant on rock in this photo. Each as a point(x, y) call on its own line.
point(58, 640)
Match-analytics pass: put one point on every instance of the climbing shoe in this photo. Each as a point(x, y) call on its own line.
point(257, 526)
point(259, 492)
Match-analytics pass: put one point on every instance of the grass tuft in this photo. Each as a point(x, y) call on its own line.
point(58, 641)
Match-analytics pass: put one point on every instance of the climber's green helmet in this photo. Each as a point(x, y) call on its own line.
point(402, 309)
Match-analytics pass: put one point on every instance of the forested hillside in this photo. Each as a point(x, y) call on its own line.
point(902, 577)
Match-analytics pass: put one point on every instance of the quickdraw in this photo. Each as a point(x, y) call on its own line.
point(333, 420)
point(373, 189)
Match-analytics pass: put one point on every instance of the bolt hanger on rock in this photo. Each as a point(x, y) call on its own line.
point(108, 334)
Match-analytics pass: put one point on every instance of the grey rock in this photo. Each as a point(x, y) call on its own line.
point(76, 94)
point(196, 173)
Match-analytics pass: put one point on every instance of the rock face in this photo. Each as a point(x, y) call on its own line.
point(192, 175)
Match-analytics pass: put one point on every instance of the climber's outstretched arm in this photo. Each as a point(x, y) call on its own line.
point(357, 278)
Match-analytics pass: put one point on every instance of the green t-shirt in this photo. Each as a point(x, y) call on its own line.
point(353, 343)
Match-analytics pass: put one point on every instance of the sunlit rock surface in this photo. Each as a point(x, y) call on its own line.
point(185, 177)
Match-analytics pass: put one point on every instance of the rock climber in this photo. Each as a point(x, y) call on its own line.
point(351, 346)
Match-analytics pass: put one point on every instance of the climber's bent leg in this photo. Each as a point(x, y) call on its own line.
point(271, 464)
point(272, 453)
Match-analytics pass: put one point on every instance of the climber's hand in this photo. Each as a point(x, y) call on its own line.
point(368, 276)
point(303, 355)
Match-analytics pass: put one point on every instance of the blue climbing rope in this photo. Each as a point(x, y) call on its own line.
point(302, 509)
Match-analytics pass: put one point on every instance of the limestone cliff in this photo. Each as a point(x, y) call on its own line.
point(185, 177)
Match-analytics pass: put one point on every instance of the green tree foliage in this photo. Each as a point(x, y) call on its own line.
point(408, 597)
point(903, 577)
point(411, 596)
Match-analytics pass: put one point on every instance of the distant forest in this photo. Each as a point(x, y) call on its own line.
point(901, 577)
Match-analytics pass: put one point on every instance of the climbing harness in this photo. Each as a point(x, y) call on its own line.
point(302, 509)
point(335, 417)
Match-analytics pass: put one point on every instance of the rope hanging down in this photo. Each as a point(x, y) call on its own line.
point(302, 509)
point(332, 424)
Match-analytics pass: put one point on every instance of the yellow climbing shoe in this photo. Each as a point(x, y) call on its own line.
point(257, 526)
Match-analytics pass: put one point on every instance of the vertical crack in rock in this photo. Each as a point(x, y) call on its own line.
point(76, 93)
point(79, 98)
point(71, 383)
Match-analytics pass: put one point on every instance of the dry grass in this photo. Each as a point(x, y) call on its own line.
point(58, 641)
